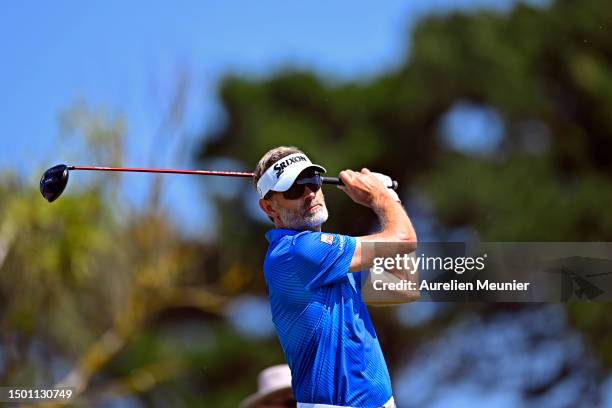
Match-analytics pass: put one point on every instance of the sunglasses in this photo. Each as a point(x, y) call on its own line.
point(313, 181)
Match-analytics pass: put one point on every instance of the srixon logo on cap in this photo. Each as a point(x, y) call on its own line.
point(280, 167)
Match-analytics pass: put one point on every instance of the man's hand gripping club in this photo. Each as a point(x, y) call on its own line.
point(367, 189)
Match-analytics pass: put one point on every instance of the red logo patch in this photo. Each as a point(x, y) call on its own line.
point(327, 238)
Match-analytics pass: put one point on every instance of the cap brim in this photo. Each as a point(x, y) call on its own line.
point(257, 398)
point(286, 180)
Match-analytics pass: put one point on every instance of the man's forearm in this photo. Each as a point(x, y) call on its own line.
point(395, 223)
point(401, 236)
point(397, 233)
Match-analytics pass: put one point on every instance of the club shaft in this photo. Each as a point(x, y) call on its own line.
point(166, 171)
point(332, 180)
point(326, 180)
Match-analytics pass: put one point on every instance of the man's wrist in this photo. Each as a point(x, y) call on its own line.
point(382, 202)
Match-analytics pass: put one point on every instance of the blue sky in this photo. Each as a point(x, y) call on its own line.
point(124, 56)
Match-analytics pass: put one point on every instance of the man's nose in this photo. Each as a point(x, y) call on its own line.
point(308, 192)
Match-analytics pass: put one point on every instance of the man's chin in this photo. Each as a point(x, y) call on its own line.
point(317, 217)
point(308, 220)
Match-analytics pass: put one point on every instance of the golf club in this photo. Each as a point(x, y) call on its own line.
point(54, 180)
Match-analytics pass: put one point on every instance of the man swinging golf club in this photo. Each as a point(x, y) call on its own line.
point(314, 285)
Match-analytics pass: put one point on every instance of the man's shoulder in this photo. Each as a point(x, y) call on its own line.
point(298, 244)
point(280, 237)
point(283, 244)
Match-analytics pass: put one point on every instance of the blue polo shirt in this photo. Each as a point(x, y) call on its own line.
point(321, 321)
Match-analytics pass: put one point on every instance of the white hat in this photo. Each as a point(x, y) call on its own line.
point(281, 175)
point(271, 382)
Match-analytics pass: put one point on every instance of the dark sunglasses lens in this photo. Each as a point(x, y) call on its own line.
point(294, 192)
point(297, 189)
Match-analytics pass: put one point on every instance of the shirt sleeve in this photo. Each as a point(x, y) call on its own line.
point(321, 258)
point(359, 279)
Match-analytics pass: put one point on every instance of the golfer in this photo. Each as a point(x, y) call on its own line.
point(314, 285)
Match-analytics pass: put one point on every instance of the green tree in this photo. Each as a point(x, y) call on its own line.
point(547, 73)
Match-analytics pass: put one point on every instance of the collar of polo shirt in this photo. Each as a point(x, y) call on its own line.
point(281, 175)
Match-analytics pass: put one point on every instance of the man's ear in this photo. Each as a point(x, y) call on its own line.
point(267, 207)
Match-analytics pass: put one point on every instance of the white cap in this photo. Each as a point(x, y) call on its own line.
point(281, 175)
point(271, 382)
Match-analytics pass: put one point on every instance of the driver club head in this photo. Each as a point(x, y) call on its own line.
point(53, 182)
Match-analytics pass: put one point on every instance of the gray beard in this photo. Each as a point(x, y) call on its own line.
point(293, 220)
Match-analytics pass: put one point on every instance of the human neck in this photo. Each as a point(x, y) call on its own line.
point(314, 229)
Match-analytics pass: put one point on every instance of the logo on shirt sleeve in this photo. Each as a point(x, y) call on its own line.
point(327, 238)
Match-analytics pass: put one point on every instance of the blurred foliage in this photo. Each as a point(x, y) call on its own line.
point(115, 302)
point(547, 73)
point(98, 296)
